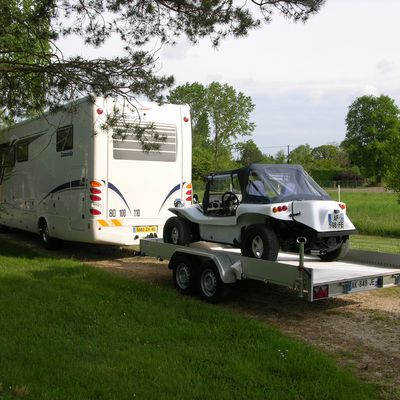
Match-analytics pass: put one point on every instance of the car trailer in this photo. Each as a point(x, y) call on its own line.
point(209, 269)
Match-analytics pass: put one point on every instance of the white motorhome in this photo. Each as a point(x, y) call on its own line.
point(69, 175)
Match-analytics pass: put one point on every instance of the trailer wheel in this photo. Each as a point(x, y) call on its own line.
point(336, 254)
point(48, 242)
point(210, 285)
point(260, 241)
point(183, 274)
point(177, 231)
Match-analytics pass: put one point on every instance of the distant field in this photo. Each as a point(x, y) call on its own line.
point(373, 213)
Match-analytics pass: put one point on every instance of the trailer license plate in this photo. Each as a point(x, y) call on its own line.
point(145, 229)
point(336, 220)
point(364, 284)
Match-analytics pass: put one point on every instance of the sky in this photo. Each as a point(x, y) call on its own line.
point(302, 77)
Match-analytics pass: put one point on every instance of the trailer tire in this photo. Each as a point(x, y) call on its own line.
point(184, 274)
point(337, 254)
point(210, 285)
point(48, 242)
point(177, 231)
point(260, 241)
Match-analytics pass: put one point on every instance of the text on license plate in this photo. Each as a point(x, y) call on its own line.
point(362, 284)
point(145, 229)
point(336, 221)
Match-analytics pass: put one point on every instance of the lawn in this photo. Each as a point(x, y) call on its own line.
point(70, 331)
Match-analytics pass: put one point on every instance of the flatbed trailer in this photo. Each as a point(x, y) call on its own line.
point(210, 269)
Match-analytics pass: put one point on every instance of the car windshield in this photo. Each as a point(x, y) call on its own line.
point(277, 183)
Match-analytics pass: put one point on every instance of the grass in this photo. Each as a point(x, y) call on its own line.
point(373, 213)
point(70, 331)
point(375, 243)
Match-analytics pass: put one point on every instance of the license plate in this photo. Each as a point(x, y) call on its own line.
point(336, 221)
point(364, 284)
point(145, 229)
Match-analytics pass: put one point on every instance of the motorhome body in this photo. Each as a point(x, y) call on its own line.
point(69, 175)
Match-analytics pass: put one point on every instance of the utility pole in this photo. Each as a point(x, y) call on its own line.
point(288, 152)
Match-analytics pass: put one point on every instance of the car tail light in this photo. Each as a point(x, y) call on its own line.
point(93, 211)
point(280, 208)
point(342, 206)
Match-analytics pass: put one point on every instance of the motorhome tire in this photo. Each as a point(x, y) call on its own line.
point(260, 241)
point(48, 242)
point(183, 274)
point(336, 254)
point(177, 231)
point(210, 285)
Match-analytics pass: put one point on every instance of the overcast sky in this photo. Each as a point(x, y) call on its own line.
point(302, 77)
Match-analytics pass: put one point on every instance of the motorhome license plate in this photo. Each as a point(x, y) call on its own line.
point(145, 229)
point(336, 220)
point(363, 284)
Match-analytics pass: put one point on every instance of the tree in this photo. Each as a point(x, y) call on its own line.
point(392, 177)
point(31, 63)
point(220, 115)
point(302, 155)
point(249, 153)
point(330, 156)
point(372, 123)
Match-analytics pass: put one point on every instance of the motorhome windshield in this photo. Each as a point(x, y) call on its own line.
point(283, 183)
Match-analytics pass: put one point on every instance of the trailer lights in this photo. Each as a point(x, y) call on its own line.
point(95, 191)
point(93, 211)
point(94, 197)
point(280, 208)
point(95, 184)
point(320, 292)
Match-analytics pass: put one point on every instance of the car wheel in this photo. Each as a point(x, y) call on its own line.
point(48, 242)
point(183, 274)
point(210, 285)
point(177, 231)
point(4, 229)
point(260, 241)
point(336, 254)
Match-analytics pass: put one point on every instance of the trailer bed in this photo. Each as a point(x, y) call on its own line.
point(315, 279)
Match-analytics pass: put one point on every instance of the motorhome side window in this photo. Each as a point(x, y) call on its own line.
point(130, 148)
point(65, 138)
point(22, 151)
point(7, 156)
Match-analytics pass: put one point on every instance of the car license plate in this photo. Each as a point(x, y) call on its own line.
point(364, 284)
point(336, 220)
point(145, 229)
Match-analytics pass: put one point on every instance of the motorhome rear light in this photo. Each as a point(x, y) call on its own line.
point(99, 111)
point(320, 292)
point(189, 186)
point(95, 212)
point(342, 206)
point(95, 184)
point(188, 192)
point(189, 198)
point(94, 197)
point(95, 191)
point(185, 119)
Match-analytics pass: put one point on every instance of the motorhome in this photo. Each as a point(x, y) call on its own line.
point(97, 171)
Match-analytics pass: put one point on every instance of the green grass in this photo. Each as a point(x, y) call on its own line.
point(70, 331)
point(375, 243)
point(373, 213)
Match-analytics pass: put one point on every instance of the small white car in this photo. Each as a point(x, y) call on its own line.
point(263, 208)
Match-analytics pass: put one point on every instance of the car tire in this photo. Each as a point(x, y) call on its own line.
point(210, 286)
point(48, 242)
point(184, 274)
point(260, 241)
point(177, 231)
point(4, 229)
point(336, 254)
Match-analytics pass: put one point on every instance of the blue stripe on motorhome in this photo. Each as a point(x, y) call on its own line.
point(116, 190)
point(177, 187)
point(65, 186)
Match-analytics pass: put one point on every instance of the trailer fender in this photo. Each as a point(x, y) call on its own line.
point(229, 272)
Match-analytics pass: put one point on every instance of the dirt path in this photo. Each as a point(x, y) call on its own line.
point(362, 331)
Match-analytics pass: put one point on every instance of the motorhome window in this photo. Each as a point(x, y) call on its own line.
point(65, 138)
point(22, 151)
point(130, 148)
point(7, 156)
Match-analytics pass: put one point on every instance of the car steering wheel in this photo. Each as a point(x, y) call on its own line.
point(229, 199)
